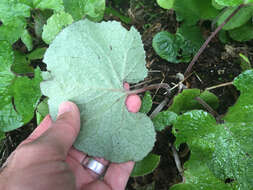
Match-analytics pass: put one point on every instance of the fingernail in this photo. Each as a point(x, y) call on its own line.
point(65, 107)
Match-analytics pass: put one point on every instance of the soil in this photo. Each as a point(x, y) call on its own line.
point(217, 65)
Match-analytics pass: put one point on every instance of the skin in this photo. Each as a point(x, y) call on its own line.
point(47, 160)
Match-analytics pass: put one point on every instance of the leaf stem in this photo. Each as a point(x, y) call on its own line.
point(189, 68)
point(150, 87)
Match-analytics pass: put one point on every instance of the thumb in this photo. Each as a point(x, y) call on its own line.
point(63, 132)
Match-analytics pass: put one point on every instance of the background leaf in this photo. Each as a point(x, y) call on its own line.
point(146, 103)
point(166, 4)
point(56, 5)
point(224, 151)
point(164, 119)
point(242, 17)
point(146, 166)
point(12, 88)
point(42, 111)
point(21, 64)
point(191, 11)
point(54, 25)
point(80, 52)
point(243, 33)
point(27, 40)
point(94, 9)
point(185, 101)
point(231, 3)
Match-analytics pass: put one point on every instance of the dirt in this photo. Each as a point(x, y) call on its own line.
point(217, 65)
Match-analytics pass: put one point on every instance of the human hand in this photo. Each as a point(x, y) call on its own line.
point(47, 160)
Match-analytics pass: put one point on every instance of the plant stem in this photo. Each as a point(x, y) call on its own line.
point(189, 68)
point(150, 87)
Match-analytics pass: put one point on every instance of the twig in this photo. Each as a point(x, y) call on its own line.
point(177, 161)
point(207, 107)
point(220, 85)
point(189, 68)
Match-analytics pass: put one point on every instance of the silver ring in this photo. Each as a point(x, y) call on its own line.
point(95, 166)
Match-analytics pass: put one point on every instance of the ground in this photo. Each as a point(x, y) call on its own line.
point(218, 64)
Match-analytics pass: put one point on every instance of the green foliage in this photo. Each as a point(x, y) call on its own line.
point(219, 152)
point(164, 119)
point(12, 87)
point(191, 11)
point(244, 62)
point(146, 166)
point(178, 47)
point(54, 25)
point(37, 54)
point(242, 17)
point(242, 34)
point(94, 9)
point(146, 104)
point(166, 4)
point(185, 101)
point(231, 3)
point(56, 5)
point(77, 55)
point(42, 111)
point(21, 64)
point(27, 40)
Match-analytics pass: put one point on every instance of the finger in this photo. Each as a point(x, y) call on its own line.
point(62, 133)
point(117, 175)
point(43, 127)
point(133, 103)
point(77, 155)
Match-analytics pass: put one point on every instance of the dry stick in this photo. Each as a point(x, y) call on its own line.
point(219, 85)
point(189, 68)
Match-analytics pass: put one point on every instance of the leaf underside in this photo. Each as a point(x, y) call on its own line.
point(88, 64)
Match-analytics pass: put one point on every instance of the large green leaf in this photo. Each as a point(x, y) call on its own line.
point(54, 25)
point(238, 19)
point(24, 91)
point(146, 166)
point(193, 10)
point(222, 151)
point(88, 64)
point(185, 101)
point(94, 9)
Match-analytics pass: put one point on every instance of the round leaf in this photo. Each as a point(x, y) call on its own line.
point(88, 64)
